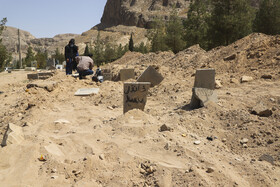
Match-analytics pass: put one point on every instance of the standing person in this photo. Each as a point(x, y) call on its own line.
point(85, 65)
point(71, 50)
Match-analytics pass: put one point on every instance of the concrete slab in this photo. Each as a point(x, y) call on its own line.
point(30, 69)
point(135, 95)
point(87, 91)
point(151, 75)
point(205, 78)
point(126, 74)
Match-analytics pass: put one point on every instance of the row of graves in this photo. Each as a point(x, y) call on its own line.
point(135, 93)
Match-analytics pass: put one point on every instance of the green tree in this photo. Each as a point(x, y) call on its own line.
point(98, 51)
point(230, 20)
point(5, 57)
point(2, 26)
point(119, 52)
point(41, 59)
point(131, 43)
point(196, 26)
point(30, 56)
point(86, 52)
point(174, 33)
point(268, 17)
point(157, 36)
point(58, 56)
point(109, 53)
point(142, 48)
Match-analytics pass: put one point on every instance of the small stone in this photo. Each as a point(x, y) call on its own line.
point(54, 177)
point(246, 79)
point(218, 84)
point(266, 76)
point(209, 138)
point(231, 57)
point(270, 142)
point(234, 80)
point(267, 158)
point(110, 108)
point(164, 128)
point(142, 171)
point(197, 142)
point(244, 141)
point(272, 99)
point(61, 121)
point(245, 146)
point(101, 157)
point(224, 140)
point(210, 170)
point(151, 169)
point(261, 110)
point(166, 147)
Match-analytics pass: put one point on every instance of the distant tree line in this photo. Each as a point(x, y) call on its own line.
point(5, 56)
point(213, 23)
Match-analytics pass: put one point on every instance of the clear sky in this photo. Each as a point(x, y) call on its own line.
point(47, 18)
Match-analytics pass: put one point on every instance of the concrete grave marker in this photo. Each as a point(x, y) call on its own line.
point(135, 95)
point(126, 74)
point(150, 75)
point(32, 76)
point(87, 91)
point(205, 78)
point(204, 88)
point(107, 76)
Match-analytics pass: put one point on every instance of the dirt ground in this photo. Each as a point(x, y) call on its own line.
point(88, 141)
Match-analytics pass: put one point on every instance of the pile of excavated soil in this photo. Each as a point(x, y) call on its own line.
point(88, 141)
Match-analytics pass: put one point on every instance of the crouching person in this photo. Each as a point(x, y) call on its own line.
point(85, 65)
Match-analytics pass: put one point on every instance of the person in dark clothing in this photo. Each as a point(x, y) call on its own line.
point(71, 51)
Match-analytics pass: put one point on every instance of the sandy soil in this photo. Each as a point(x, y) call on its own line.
point(88, 141)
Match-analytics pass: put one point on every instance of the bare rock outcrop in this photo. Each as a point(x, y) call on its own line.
point(139, 13)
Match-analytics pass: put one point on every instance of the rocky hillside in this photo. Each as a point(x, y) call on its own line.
point(10, 40)
point(116, 35)
point(141, 13)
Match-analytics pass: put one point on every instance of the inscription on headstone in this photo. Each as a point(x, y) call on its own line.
point(126, 74)
point(135, 95)
point(150, 75)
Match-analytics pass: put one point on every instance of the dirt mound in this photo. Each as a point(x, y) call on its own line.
point(88, 141)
